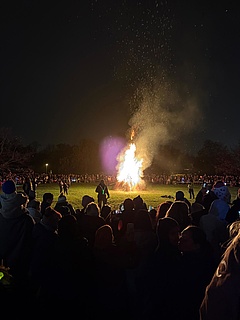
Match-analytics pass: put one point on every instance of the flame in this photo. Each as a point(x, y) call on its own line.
point(130, 169)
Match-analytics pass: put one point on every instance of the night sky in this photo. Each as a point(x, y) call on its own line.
point(73, 70)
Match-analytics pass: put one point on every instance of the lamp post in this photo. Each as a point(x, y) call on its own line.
point(46, 167)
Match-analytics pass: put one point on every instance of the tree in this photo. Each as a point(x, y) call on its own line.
point(214, 158)
point(13, 155)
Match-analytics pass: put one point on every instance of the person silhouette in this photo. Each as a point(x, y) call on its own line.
point(103, 194)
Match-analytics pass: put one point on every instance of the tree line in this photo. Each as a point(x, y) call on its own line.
point(212, 158)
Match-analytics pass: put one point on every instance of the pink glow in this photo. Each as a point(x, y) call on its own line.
point(109, 150)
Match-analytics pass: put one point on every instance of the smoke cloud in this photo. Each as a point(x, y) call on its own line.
point(162, 116)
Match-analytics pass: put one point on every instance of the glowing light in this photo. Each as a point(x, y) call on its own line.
point(130, 169)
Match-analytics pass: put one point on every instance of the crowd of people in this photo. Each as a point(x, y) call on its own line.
point(177, 261)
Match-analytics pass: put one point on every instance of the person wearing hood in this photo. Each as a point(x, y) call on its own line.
point(214, 225)
point(16, 225)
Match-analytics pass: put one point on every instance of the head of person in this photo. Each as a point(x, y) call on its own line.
point(128, 204)
point(168, 232)
point(139, 203)
point(13, 204)
point(104, 237)
point(35, 204)
point(9, 187)
point(51, 218)
point(179, 211)
point(62, 198)
point(233, 229)
point(219, 208)
point(48, 197)
point(192, 239)
point(92, 209)
point(142, 221)
point(163, 208)
point(179, 196)
point(105, 211)
point(86, 199)
point(67, 227)
point(230, 263)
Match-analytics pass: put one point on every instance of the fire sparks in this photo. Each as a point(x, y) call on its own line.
point(130, 169)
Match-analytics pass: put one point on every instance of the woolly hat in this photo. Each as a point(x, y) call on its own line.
point(9, 186)
point(62, 198)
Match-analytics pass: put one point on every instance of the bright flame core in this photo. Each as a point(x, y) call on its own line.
point(130, 169)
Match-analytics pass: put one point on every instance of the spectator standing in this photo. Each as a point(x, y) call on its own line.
point(62, 202)
point(159, 282)
point(16, 227)
point(214, 225)
point(180, 196)
point(179, 210)
point(86, 199)
point(33, 207)
point(45, 236)
point(46, 201)
point(89, 222)
point(73, 270)
point(102, 194)
point(65, 187)
point(234, 212)
point(191, 189)
point(27, 186)
point(198, 267)
point(110, 286)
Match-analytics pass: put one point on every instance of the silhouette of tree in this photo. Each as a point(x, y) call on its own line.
point(213, 158)
point(13, 154)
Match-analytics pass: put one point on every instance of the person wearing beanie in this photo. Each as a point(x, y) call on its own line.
point(16, 227)
point(9, 186)
point(62, 202)
point(12, 203)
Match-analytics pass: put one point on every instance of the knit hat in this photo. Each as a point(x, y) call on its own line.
point(62, 198)
point(9, 186)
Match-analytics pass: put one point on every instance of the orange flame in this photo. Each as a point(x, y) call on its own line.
point(130, 169)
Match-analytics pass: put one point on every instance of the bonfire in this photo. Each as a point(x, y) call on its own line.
point(130, 174)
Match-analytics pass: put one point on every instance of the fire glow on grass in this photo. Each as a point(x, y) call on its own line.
point(130, 169)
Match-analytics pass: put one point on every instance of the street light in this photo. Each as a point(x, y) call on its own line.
point(46, 167)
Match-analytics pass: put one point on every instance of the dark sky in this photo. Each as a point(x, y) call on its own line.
point(72, 70)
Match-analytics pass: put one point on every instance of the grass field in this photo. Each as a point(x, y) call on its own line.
point(153, 195)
